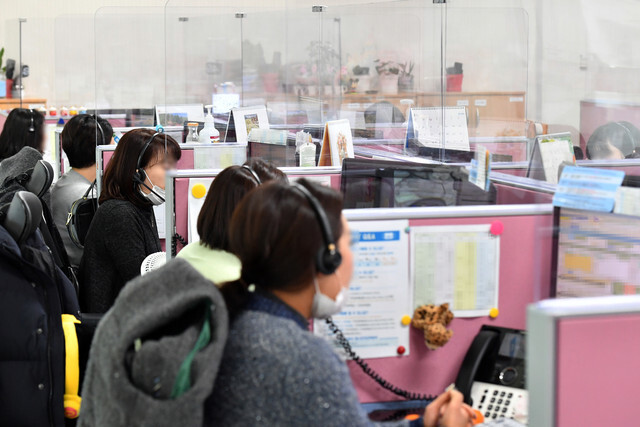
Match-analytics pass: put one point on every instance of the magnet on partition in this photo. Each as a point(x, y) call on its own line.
point(494, 312)
point(198, 191)
point(401, 350)
point(406, 320)
point(496, 228)
point(407, 230)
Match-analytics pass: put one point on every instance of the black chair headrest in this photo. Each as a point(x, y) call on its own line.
point(23, 216)
point(41, 178)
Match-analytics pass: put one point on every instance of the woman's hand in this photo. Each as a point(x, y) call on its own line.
point(448, 410)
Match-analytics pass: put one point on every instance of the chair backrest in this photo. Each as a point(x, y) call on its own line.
point(41, 178)
point(23, 216)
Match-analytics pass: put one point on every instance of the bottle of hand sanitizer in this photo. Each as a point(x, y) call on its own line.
point(307, 152)
point(209, 133)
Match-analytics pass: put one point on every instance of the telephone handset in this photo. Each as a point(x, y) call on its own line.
point(492, 376)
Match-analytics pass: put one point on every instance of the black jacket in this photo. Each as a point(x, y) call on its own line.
point(33, 295)
point(119, 239)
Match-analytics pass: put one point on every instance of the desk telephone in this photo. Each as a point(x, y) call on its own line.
point(492, 376)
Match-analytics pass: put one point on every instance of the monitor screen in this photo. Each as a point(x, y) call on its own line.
point(380, 184)
point(596, 254)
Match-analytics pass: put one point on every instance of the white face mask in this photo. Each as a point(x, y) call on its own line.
point(323, 306)
point(156, 196)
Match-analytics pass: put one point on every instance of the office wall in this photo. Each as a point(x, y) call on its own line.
point(576, 48)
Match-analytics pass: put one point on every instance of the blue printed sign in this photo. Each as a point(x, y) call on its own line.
point(588, 188)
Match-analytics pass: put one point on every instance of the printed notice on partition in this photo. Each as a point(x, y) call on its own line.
point(456, 264)
point(380, 292)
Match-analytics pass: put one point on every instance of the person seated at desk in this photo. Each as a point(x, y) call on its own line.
point(123, 232)
point(80, 137)
point(211, 256)
point(294, 245)
point(613, 141)
point(23, 128)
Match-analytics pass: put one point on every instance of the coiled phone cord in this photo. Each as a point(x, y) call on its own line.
point(344, 343)
point(174, 243)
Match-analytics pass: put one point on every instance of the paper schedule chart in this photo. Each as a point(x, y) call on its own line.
point(379, 293)
point(455, 264)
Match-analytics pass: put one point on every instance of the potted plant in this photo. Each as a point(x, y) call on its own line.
point(405, 79)
point(387, 76)
point(324, 62)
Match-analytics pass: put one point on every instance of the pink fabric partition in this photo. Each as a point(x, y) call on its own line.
point(517, 196)
point(185, 162)
point(181, 208)
point(597, 375)
point(525, 270)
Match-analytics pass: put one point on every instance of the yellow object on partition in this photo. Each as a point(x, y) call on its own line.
point(406, 320)
point(199, 191)
point(72, 400)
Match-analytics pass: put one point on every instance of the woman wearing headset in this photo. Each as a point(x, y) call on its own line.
point(123, 231)
point(294, 245)
point(210, 255)
point(23, 128)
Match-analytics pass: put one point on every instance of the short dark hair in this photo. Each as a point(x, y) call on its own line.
point(265, 170)
point(80, 137)
point(118, 180)
point(276, 235)
point(226, 192)
point(24, 127)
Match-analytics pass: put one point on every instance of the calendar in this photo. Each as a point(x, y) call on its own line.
point(426, 126)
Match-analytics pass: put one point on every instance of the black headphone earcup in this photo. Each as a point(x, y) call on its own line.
point(139, 177)
point(327, 262)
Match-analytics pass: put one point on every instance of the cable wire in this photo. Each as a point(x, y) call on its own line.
point(344, 343)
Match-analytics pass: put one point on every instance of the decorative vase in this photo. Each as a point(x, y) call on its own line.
point(389, 84)
point(405, 83)
point(364, 84)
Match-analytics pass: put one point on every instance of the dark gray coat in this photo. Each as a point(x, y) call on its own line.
point(128, 384)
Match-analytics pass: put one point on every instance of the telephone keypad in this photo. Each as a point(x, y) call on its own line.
point(503, 401)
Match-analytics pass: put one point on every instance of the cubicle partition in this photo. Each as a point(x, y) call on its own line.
point(515, 190)
point(628, 166)
point(525, 263)
point(193, 156)
point(580, 358)
point(524, 271)
point(177, 192)
point(62, 163)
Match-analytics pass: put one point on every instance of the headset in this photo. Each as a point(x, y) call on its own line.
point(253, 174)
point(32, 126)
point(139, 176)
point(104, 141)
point(329, 257)
point(328, 261)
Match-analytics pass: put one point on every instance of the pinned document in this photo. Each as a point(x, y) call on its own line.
point(379, 292)
point(195, 202)
point(481, 168)
point(456, 264)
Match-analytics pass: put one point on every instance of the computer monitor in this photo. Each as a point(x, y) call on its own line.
point(387, 184)
point(595, 254)
point(581, 361)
